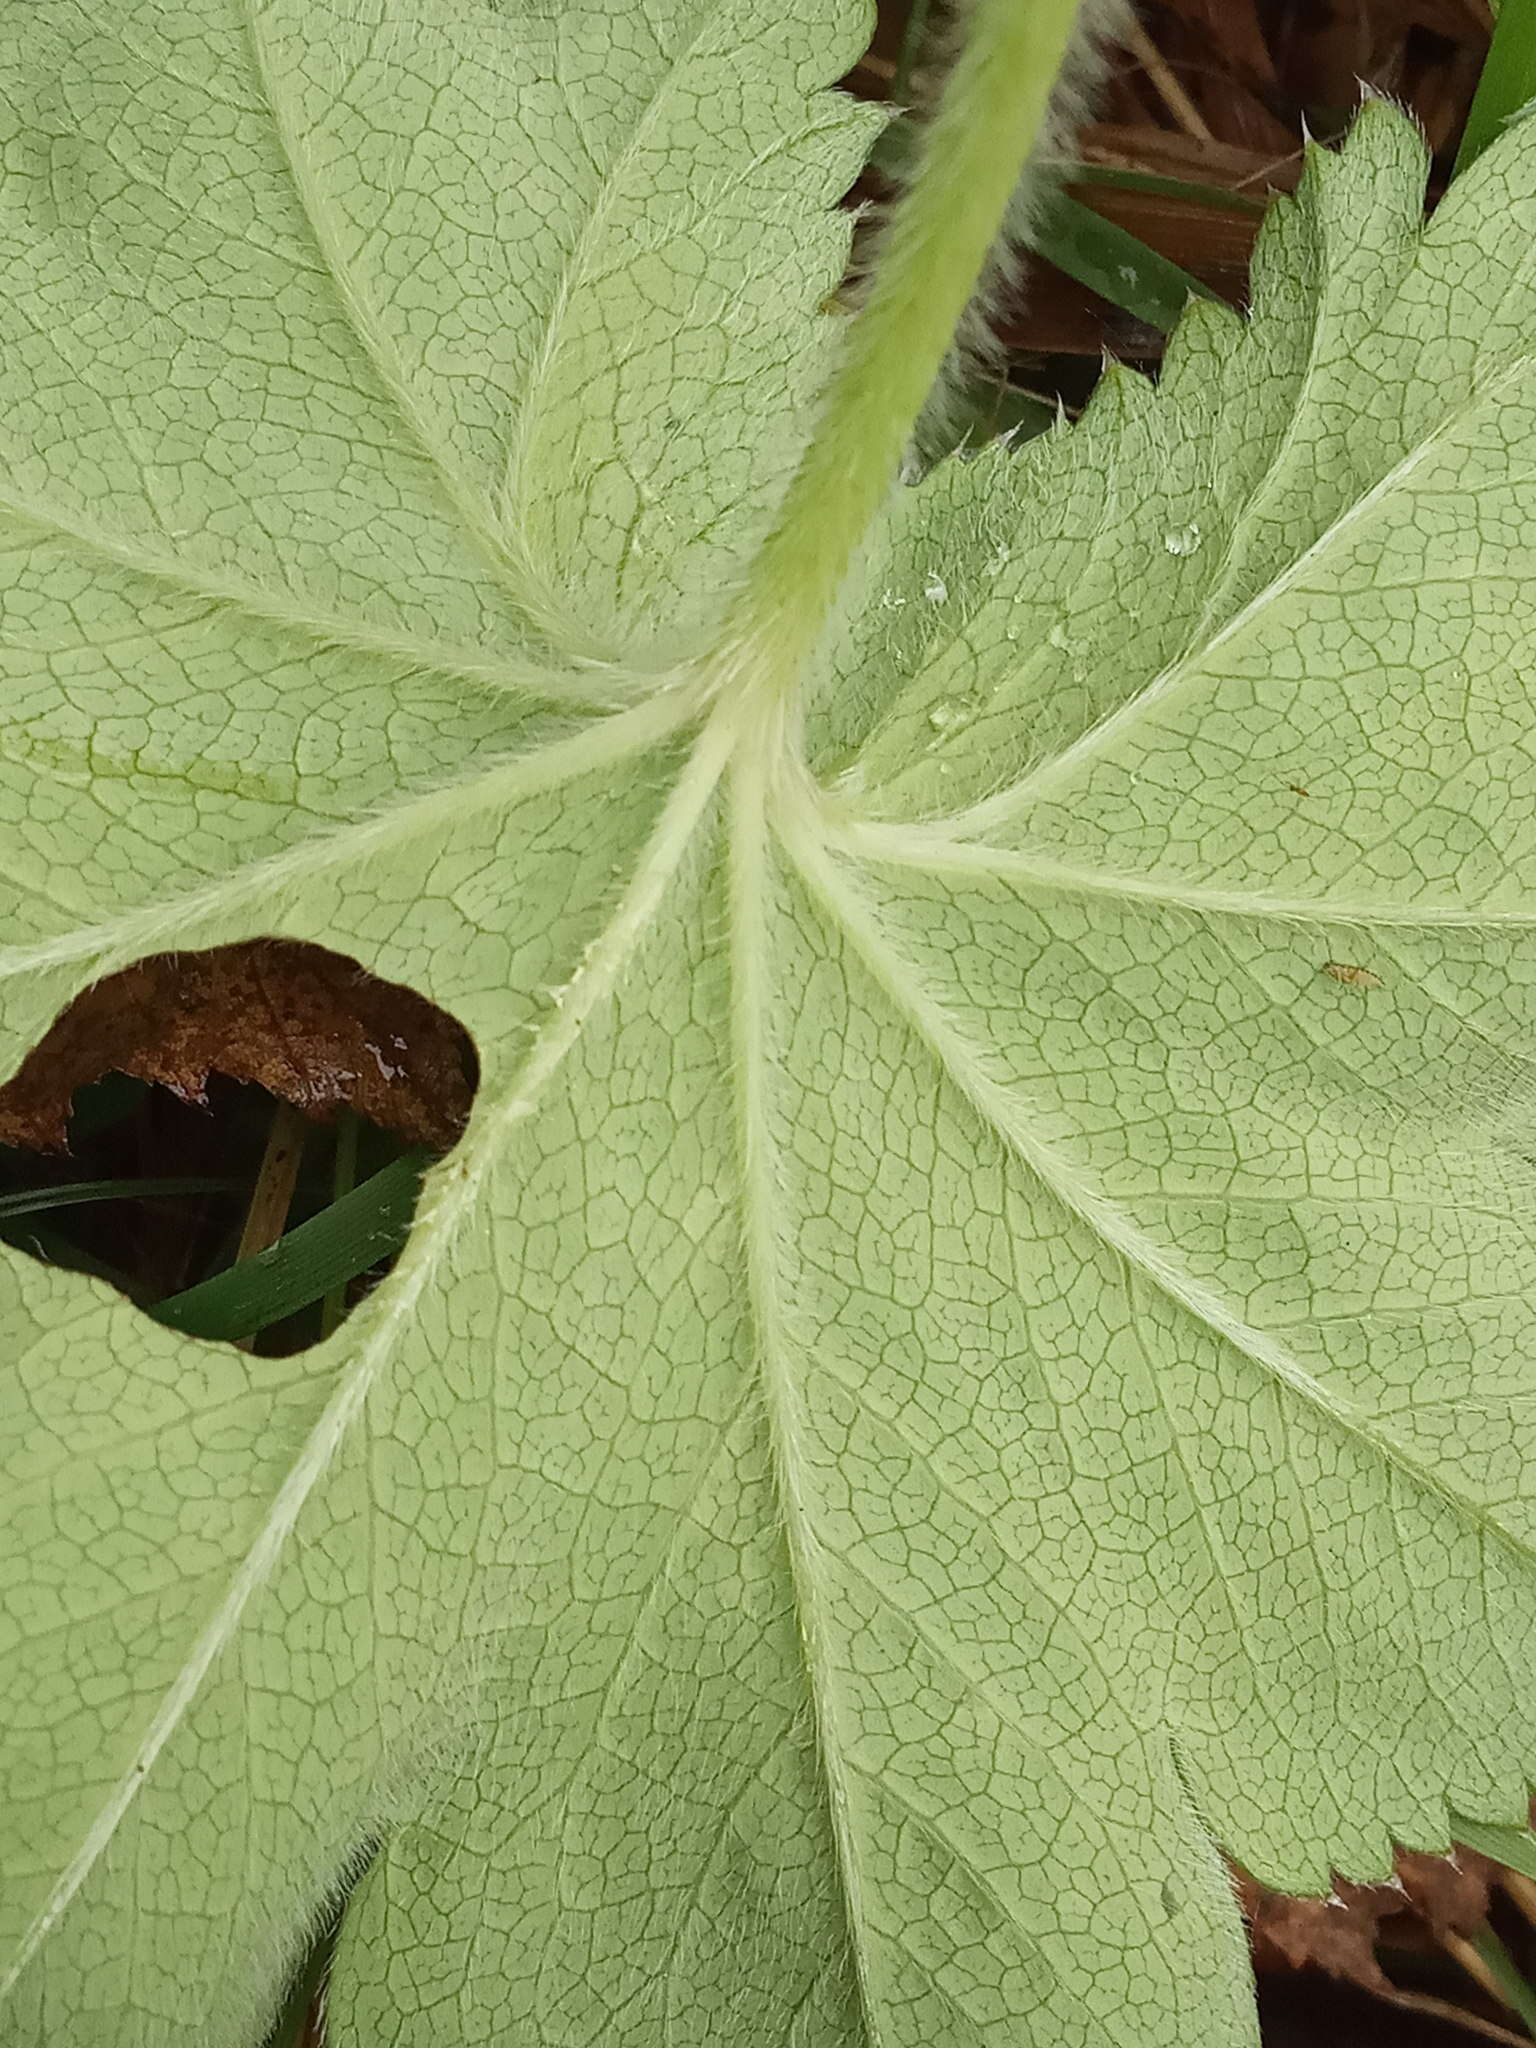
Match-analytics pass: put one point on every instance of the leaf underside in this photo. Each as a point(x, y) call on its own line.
point(977, 1342)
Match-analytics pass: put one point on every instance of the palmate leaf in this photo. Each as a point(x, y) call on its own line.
point(977, 1342)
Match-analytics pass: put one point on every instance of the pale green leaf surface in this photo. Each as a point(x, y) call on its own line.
point(956, 1364)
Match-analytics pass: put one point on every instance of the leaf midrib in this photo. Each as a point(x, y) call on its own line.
point(750, 919)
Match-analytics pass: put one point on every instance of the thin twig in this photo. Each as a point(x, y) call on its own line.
point(1456, 2015)
point(1472, 1962)
point(1275, 163)
point(880, 68)
point(1167, 87)
point(276, 1179)
point(1521, 1892)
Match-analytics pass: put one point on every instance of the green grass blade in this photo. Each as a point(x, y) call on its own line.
point(1114, 263)
point(1220, 198)
point(32, 1201)
point(310, 1261)
point(1098, 253)
point(1508, 82)
point(982, 410)
point(1516, 1993)
point(990, 410)
point(1514, 1847)
point(333, 1310)
point(911, 43)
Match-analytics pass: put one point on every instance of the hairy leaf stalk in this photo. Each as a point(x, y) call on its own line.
point(992, 111)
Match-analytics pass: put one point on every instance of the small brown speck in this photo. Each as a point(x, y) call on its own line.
point(1352, 977)
point(1296, 789)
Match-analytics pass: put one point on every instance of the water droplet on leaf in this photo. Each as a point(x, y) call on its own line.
point(950, 715)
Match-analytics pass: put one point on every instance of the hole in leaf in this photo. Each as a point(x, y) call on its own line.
point(235, 1138)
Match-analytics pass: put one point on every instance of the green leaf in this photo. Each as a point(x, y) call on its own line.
point(977, 1342)
point(1515, 1847)
point(1220, 198)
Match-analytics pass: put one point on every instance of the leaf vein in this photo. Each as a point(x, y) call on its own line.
point(998, 1108)
point(300, 616)
point(425, 432)
point(448, 1196)
point(602, 744)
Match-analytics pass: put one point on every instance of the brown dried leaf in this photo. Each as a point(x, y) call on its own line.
point(1055, 315)
point(1429, 1898)
point(1238, 115)
point(1233, 30)
point(1448, 1893)
point(310, 1027)
point(1336, 1934)
point(1201, 239)
point(1180, 156)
